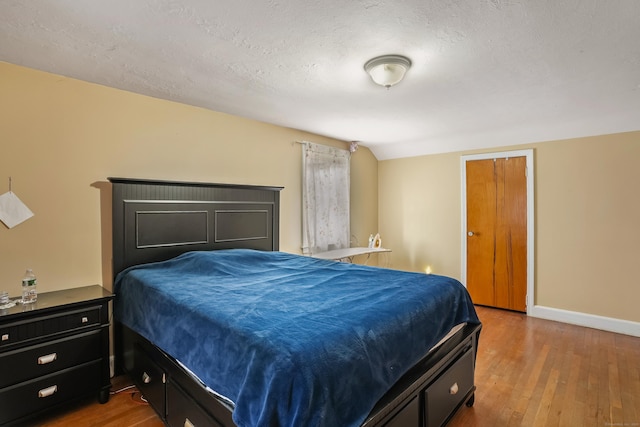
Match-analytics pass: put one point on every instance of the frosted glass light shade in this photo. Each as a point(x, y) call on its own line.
point(387, 70)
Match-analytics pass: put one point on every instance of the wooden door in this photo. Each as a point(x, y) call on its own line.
point(497, 232)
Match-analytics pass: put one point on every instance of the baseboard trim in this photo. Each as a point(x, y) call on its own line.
point(589, 320)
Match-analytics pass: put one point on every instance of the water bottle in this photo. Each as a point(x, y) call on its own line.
point(29, 287)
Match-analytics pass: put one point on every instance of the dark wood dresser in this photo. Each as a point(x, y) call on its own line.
point(54, 351)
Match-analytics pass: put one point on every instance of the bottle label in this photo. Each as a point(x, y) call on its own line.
point(29, 282)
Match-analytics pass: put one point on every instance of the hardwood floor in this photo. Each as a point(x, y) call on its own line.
point(530, 372)
point(534, 372)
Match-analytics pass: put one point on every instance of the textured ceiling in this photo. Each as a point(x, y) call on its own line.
point(485, 73)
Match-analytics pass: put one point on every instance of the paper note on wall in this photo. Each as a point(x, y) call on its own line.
point(12, 210)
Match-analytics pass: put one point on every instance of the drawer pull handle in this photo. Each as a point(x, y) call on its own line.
point(453, 389)
point(46, 392)
point(146, 378)
point(85, 319)
point(188, 423)
point(5, 337)
point(43, 360)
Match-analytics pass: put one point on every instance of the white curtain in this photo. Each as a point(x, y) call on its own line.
point(325, 198)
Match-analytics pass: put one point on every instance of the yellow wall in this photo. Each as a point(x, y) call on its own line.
point(61, 138)
point(364, 198)
point(587, 208)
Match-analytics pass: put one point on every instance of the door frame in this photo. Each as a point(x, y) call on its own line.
point(528, 153)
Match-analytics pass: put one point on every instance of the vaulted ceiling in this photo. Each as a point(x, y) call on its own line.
point(485, 73)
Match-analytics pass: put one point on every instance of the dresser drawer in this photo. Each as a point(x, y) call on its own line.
point(32, 396)
point(22, 332)
point(449, 390)
point(31, 362)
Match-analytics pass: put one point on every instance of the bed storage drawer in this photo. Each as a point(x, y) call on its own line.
point(409, 415)
point(150, 379)
point(183, 411)
point(450, 390)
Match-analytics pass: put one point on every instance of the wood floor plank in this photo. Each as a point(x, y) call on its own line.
point(570, 404)
point(528, 390)
point(629, 381)
point(603, 408)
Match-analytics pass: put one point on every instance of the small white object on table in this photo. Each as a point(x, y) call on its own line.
point(349, 253)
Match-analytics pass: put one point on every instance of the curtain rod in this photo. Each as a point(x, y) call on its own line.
point(353, 145)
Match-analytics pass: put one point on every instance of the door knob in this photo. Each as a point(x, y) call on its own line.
point(470, 234)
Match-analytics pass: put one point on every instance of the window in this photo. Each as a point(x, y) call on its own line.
point(325, 198)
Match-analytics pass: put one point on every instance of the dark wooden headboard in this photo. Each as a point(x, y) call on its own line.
point(158, 220)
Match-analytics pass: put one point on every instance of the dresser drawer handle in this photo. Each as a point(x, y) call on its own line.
point(85, 319)
point(43, 360)
point(188, 423)
point(5, 337)
point(46, 392)
point(454, 389)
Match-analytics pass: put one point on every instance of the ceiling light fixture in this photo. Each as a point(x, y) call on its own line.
point(387, 70)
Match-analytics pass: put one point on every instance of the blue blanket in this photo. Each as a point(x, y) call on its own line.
point(292, 340)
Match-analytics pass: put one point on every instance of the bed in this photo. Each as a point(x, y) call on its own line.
point(314, 354)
